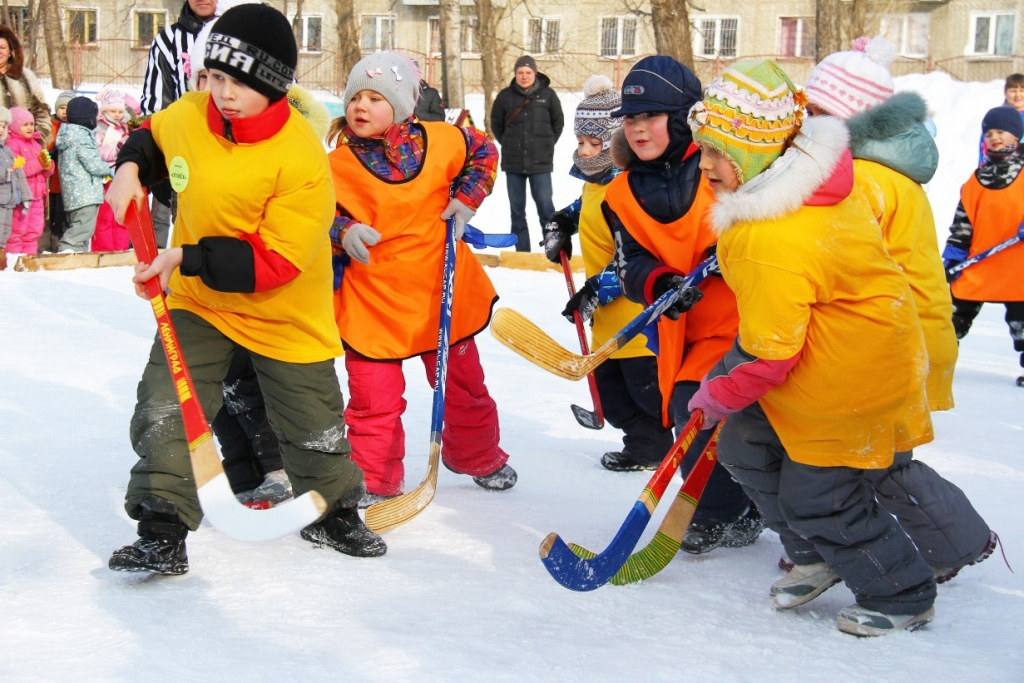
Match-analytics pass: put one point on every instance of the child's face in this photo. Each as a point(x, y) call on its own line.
point(234, 99)
point(999, 139)
point(588, 147)
point(1015, 97)
point(62, 113)
point(27, 129)
point(718, 170)
point(647, 134)
point(4, 132)
point(203, 80)
point(369, 114)
point(115, 115)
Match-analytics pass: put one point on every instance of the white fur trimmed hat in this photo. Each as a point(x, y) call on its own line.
point(392, 75)
point(851, 82)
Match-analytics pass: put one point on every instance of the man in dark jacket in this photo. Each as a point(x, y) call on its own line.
point(429, 106)
point(527, 120)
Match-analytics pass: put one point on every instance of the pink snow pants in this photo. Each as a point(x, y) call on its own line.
point(469, 438)
point(110, 235)
point(26, 229)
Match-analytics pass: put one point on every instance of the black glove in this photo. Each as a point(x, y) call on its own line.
point(555, 240)
point(708, 253)
point(584, 301)
point(687, 299)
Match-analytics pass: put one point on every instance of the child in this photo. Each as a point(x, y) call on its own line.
point(251, 268)
point(658, 211)
point(893, 154)
point(14, 190)
point(82, 172)
point(25, 142)
point(627, 383)
point(57, 221)
point(394, 199)
point(826, 378)
point(989, 212)
point(111, 133)
point(1013, 94)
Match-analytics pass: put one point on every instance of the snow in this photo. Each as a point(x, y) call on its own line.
point(461, 593)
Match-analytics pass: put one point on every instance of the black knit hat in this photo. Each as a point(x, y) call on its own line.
point(1003, 118)
point(255, 44)
point(83, 111)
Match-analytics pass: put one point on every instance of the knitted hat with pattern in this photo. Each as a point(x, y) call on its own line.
point(390, 74)
point(749, 114)
point(848, 83)
point(594, 113)
point(254, 44)
point(110, 100)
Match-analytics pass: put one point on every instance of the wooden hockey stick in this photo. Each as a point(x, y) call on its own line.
point(215, 495)
point(591, 419)
point(388, 514)
point(655, 556)
point(515, 331)
point(587, 573)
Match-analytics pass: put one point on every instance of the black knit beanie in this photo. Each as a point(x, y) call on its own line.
point(83, 111)
point(255, 44)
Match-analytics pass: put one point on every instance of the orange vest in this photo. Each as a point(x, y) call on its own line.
point(55, 178)
point(995, 216)
point(390, 309)
point(690, 346)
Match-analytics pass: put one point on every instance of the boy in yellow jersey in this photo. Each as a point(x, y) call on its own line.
point(249, 267)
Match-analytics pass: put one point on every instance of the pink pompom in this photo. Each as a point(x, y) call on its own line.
point(861, 44)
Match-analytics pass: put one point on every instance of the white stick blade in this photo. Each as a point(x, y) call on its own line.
point(241, 523)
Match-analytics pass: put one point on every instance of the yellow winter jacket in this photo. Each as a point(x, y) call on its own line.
point(279, 187)
point(908, 230)
point(598, 248)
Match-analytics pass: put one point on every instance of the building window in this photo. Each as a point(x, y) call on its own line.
point(312, 32)
point(470, 35)
point(796, 37)
point(716, 37)
point(543, 35)
point(81, 25)
point(907, 32)
point(618, 36)
point(377, 33)
point(992, 34)
point(147, 24)
point(19, 18)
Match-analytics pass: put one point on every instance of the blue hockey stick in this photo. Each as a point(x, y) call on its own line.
point(981, 256)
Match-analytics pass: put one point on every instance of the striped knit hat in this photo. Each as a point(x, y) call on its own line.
point(851, 82)
point(749, 114)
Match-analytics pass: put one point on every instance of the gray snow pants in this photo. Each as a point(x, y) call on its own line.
point(942, 523)
point(303, 402)
point(81, 226)
point(827, 514)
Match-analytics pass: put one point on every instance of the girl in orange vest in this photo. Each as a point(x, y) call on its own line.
point(658, 210)
point(991, 210)
point(393, 199)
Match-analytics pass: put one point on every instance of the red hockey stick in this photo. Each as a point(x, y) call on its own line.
point(590, 419)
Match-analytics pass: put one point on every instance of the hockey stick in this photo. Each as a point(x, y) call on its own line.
point(587, 573)
point(655, 556)
point(216, 498)
point(590, 419)
point(387, 515)
point(982, 255)
point(515, 331)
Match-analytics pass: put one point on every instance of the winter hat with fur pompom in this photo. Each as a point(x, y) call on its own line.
point(749, 114)
point(594, 120)
point(392, 75)
point(848, 83)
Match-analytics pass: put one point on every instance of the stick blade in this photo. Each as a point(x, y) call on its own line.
point(389, 514)
point(242, 523)
point(586, 418)
point(517, 332)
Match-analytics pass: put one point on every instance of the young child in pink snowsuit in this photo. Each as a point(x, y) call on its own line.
point(111, 132)
point(27, 226)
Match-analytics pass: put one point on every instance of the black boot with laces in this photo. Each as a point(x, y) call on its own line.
point(159, 550)
point(343, 530)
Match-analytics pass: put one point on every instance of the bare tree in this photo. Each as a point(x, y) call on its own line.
point(451, 54)
point(671, 22)
point(348, 38)
point(56, 51)
point(837, 22)
point(492, 53)
point(297, 22)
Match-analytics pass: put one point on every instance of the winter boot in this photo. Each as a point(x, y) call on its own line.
point(860, 621)
point(745, 530)
point(3, 259)
point(159, 550)
point(804, 583)
point(622, 462)
point(703, 538)
point(343, 530)
point(276, 488)
point(500, 479)
point(942, 575)
point(369, 499)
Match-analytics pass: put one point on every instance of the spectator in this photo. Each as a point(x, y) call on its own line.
point(111, 133)
point(14, 188)
point(165, 81)
point(429, 106)
point(57, 220)
point(20, 86)
point(527, 120)
point(26, 142)
point(82, 171)
point(1013, 96)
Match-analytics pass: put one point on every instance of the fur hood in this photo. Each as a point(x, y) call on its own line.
point(16, 62)
point(893, 134)
point(312, 110)
point(622, 155)
point(811, 161)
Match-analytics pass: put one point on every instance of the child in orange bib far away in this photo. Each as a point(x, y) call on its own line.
point(826, 380)
point(393, 200)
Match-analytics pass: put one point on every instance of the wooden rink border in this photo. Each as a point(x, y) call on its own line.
point(105, 259)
